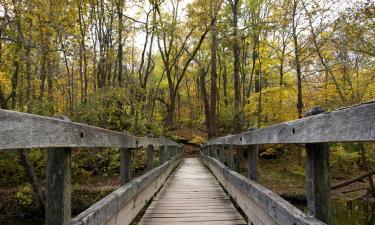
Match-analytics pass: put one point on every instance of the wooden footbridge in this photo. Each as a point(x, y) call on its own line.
point(174, 190)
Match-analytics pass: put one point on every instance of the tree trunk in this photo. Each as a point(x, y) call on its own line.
point(206, 105)
point(213, 99)
point(236, 64)
point(120, 45)
point(29, 169)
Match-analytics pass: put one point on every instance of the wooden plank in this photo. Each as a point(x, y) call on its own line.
point(122, 205)
point(192, 195)
point(22, 130)
point(352, 124)
point(222, 222)
point(261, 205)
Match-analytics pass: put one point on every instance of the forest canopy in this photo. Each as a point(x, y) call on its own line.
point(146, 66)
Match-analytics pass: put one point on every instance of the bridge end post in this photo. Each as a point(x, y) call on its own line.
point(318, 178)
point(125, 165)
point(58, 190)
point(58, 184)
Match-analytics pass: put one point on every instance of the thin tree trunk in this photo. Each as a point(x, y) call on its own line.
point(236, 65)
point(213, 97)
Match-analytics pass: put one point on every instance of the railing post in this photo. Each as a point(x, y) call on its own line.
point(318, 179)
point(169, 150)
point(230, 156)
point(125, 165)
point(58, 186)
point(238, 159)
point(150, 157)
point(252, 162)
point(216, 155)
point(221, 153)
point(161, 155)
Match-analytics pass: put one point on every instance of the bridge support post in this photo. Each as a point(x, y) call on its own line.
point(252, 162)
point(214, 151)
point(318, 179)
point(125, 165)
point(238, 159)
point(161, 154)
point(230, 157)
point(58, 185)
point(150, 157)
point(58, 193)
point(221, 153)
point(169, 152)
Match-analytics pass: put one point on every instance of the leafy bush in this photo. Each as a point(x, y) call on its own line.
point(24, 196)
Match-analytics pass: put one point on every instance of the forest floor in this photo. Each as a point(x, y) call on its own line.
point(281, 173)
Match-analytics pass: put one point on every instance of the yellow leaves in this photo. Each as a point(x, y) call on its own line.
point(5, 82)
point(278, 105)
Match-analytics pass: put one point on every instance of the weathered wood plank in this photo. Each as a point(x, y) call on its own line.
point(192, 195)
point(122, 205)
point(352, 124)
point(22, 130)
point(261, 205)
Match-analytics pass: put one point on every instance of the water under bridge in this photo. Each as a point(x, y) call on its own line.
point(204, 190)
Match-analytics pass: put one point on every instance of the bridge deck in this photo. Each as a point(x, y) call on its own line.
point(192, 195)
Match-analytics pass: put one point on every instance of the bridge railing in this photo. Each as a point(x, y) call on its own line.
point(351, 124)
point(59, 136)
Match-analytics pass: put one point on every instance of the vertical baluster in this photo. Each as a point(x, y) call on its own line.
point(221, 153)
point(161, 155)
point(125, 165)
point(150, 157)
point(252, 162)
point(230, 157)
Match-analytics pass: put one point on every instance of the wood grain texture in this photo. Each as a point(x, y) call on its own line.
point(122, 205)
point(22, 130)
point(262, 206)
point(192, 195)
point(352, 124)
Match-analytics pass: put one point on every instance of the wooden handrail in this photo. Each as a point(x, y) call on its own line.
point(22, 130)
point(260, 205)
point(126, 202)
point(351, 124)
